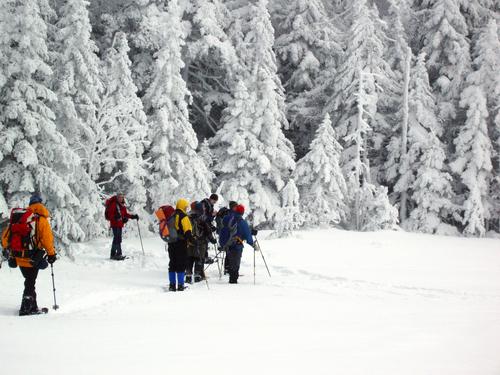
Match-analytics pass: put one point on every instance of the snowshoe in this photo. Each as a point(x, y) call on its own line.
point(181, 288)
point(171, 288)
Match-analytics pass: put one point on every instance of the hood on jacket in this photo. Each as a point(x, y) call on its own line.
point(182, 204)
point(39, 209)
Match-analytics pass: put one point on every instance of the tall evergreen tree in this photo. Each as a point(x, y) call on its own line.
point(357, 90)
point(473, 161)
point(121, 128)
point(177, 170)
point(261, 151)
point(447, 47)
point(34, 156)
point(424, 175)
point(78, 86)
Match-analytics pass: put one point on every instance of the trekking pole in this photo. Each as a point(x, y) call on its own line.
point(55, 307)
point(262, 254)
point(140, 237)
point(253, 266)
point(217, 259)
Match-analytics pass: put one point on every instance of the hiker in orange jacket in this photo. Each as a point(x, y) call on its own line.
point(31, 260)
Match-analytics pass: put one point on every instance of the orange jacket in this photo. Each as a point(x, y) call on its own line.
point(44, 238)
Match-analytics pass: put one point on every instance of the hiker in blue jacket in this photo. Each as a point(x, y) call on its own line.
point(234, 232)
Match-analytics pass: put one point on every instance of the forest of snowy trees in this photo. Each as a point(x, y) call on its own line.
point(360, 114)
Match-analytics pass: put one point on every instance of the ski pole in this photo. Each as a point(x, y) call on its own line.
point(55, 307)
point(217, 259)
point(262, 254)
point(140, 237)
point(253, 266)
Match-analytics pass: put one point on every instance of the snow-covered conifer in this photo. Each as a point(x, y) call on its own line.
point(122, 128)
point(177, 170)
point(34, 156)
point(377, 213)
point(290, 217)
point(473, 161)
point(445, 43)
point(320, 179)
point(423, 173)
point(252, 144)
point(307, 39)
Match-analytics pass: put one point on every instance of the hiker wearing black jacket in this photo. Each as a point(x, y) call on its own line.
point(198, 248)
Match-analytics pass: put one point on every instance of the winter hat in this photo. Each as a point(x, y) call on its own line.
point(214, 197)
point(193, 205)
point(36, 197)
point(232, 204)
point(240, 209)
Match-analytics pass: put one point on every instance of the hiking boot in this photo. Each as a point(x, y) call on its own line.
point(181, 287)
point(189, 279)
point(28, 305)
point(119, 257)
point(171, 288)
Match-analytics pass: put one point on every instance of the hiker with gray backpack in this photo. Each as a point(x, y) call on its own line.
point(234, 232)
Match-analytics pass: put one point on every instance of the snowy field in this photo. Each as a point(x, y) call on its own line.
point(338, 302)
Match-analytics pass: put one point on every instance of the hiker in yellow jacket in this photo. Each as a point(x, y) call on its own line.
point(177, 251)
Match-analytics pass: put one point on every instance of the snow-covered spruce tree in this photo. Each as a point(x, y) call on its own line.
point(357, 89)
point(306, 40)
point(254, 157)
point(399, 56)
point(211, 63)
point(486, 61)
point(77, 82)
point(177, 170)
point(377, 213)
point(78, 87)
point(121, 129)
point(423, 174)
point(290, 217)
point(320, 179)
point(473, 161)
point(34, 156)
point(447, 47)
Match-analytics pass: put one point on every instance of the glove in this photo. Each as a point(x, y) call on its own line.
point(254, 232)
point(213, 241)
point(51, 258)
point(5, 254)
point(135, 217)
point(125, 220)
point(212, 228)
point(255, 248)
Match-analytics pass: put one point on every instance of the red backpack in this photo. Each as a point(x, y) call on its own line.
point(22, 230)
point(109, 208)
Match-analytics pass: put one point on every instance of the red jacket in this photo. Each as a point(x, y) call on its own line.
point(117, 212)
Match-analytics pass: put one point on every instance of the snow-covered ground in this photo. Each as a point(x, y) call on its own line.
point(337, 303)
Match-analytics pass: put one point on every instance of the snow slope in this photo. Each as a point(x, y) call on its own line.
point(337, 303)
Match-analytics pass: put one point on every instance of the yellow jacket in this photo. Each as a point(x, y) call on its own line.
point(182, 205)
point(44, 238)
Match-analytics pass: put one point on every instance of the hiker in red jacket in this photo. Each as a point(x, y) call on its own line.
point(117, 215)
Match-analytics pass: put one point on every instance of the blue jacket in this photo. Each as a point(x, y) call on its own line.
point(234, 222)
